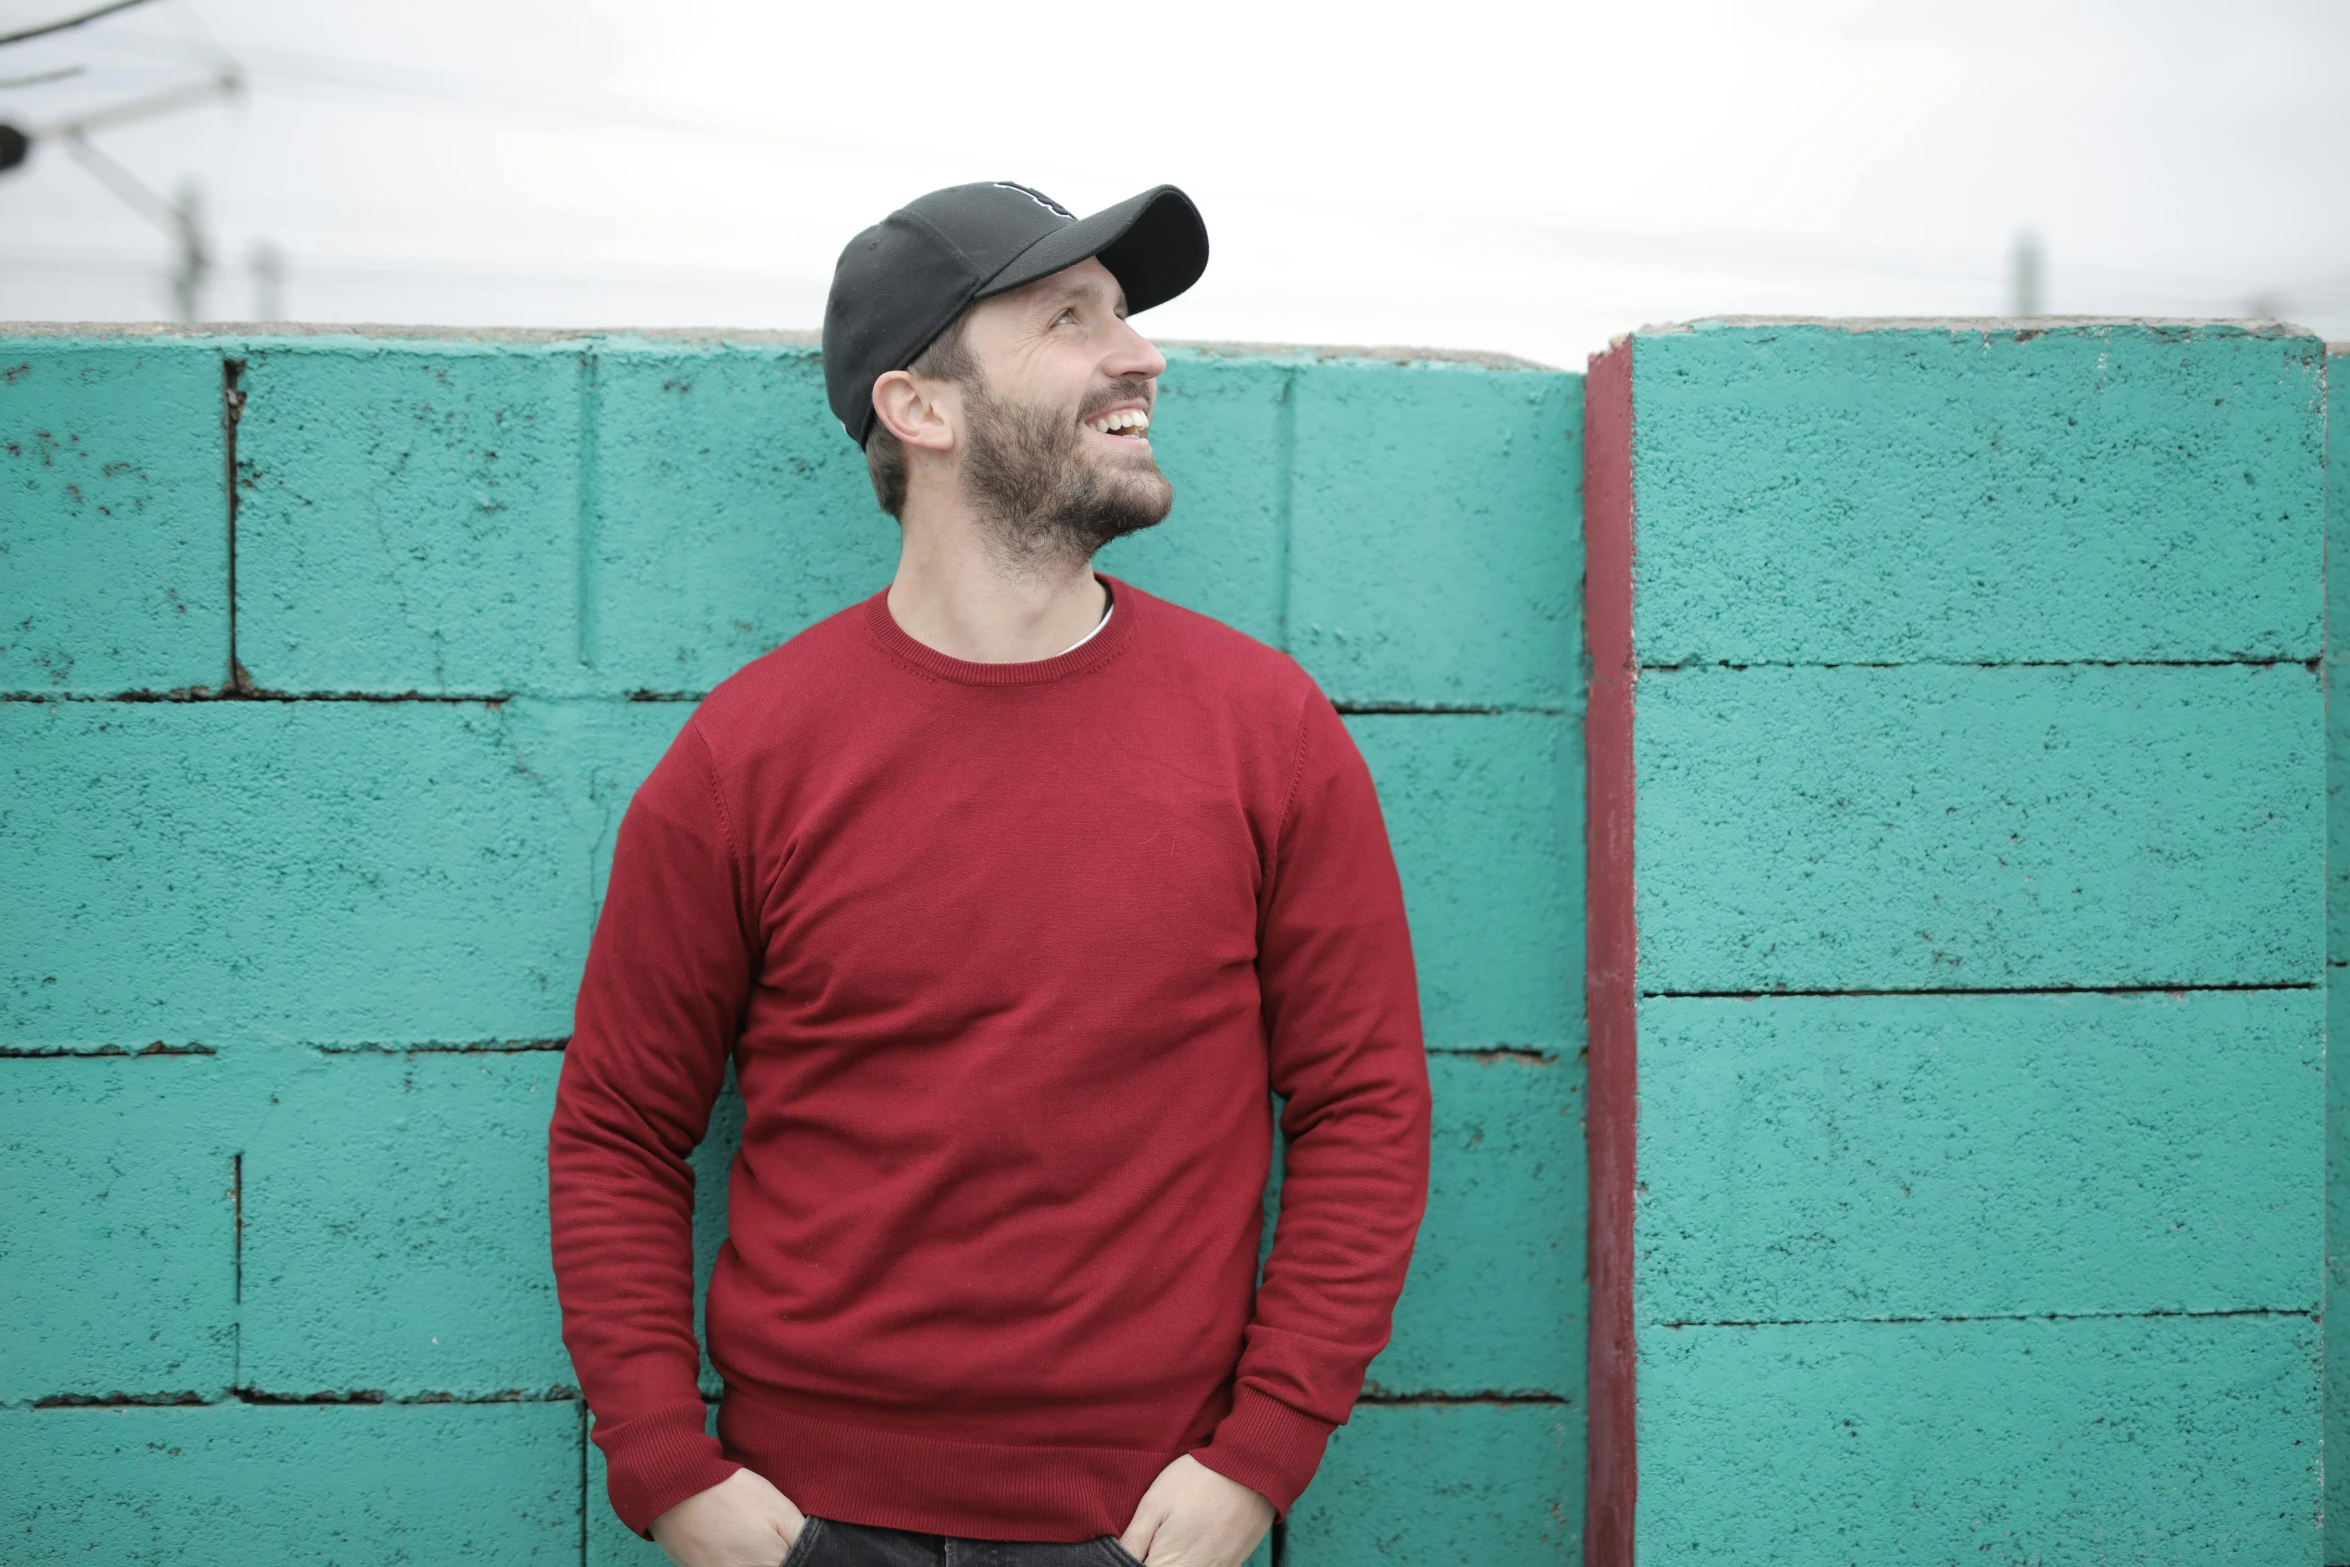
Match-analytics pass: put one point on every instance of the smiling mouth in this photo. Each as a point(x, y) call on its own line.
point(1131, 422)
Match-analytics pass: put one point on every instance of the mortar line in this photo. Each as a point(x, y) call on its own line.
point(2155, 989)
point(253, 693)
point(232, 412)
point(590, 420)
point(1450, 709)
point(237, 1279)
point(1544, 1054)
point(2278, 661)
point(1284, 501)
point(238, 1394)
point(561, 1393)
point(1989, 1316)
point(1409, 1400)
point(585, 1499)
point(444, 1047)
point(100, 1052)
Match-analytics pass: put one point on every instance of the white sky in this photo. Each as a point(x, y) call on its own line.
point(1477, 174)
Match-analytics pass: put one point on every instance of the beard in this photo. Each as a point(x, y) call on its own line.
point(1045, 502)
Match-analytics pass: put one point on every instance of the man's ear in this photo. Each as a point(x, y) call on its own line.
point(914, 410)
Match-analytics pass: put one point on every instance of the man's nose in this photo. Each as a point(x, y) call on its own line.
point(1135, 355)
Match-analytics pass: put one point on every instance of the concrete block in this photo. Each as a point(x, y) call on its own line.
point(727, 511)
point(409, 516)
point(1419, 1484)
point(118, 1258)
point(1221, 430)
point(1966, 828)
point(2165, 1439)
point(114, 536)
point(225, 1485)
point(1485, 813)
point(329, 872)
point(623, 515)
point(1811, 494)
point(1822, 1158)
point(1495, 1301)
point(1436, 533)
point(396, 1229)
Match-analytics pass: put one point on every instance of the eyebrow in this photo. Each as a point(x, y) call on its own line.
point(1084, 290)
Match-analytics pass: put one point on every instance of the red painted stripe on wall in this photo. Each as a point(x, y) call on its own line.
point(1611, 952)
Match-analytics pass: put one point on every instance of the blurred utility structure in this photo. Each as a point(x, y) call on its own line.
point(193, 265)
point(2027, 296)
point(267, 262)
point(180, 219)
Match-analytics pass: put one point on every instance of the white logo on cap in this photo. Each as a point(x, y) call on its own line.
point(1037, 196)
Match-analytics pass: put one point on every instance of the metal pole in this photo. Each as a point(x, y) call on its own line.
point(2027, 299)
point(194, 265)
point(269, 281)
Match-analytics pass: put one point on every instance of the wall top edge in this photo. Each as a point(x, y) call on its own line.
point(244, 332)
point(2252, 326)
point(1390, 353)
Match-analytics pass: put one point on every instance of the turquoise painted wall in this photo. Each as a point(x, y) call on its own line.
point(1982, 842)
point(1980, 859)
point(288, 970)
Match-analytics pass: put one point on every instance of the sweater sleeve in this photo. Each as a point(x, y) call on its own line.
point(1343, 1020)
point(667, 975)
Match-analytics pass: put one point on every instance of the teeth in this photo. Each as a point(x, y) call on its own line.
point(1123, 419)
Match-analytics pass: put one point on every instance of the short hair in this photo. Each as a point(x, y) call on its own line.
point(947, 358)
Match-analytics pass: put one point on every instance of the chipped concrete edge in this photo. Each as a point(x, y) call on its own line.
point(1389, 353)
point(239, 331)
point(2253, 326)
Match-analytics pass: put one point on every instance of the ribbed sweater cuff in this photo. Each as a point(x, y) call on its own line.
point(1267, 1446)
point(653, 1464)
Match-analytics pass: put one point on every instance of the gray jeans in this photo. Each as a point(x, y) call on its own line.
point(827, 1543)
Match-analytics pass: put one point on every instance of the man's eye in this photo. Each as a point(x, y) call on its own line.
point(1069, 316)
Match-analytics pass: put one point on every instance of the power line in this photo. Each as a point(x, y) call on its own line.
point(225, 85)
point(523, 275)
point(46, 28)
point(615, 109)
point(43, 78)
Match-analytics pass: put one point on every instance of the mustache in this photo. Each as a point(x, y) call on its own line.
point(1126, 389)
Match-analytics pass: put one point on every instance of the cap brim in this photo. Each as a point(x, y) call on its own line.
point(1154, 244)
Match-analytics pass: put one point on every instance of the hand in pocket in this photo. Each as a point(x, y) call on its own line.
point(1194, 1517)
point(742, 1521)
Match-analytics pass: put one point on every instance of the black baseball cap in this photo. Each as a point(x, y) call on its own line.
point(901, 282)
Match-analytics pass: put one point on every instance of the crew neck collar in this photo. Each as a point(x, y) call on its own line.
point(1108, 639)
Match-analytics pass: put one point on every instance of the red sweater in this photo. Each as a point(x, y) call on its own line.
point(1006, 957)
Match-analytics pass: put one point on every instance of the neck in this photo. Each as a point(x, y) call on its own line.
point(956, 594)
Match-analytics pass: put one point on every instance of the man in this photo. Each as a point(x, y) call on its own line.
point(1010, 893)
